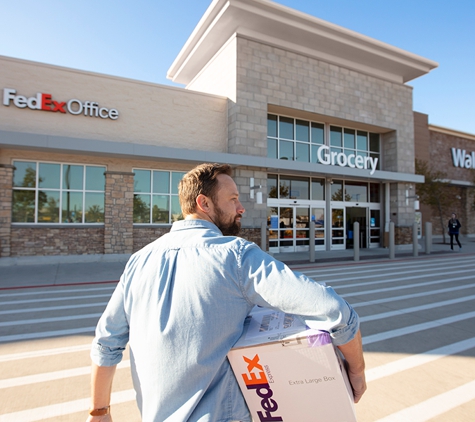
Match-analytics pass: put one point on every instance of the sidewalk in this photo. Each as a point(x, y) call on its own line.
point(36, 271)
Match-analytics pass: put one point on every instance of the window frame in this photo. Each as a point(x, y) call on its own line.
point(59, 193)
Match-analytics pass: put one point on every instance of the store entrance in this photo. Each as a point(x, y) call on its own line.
point(356, 214)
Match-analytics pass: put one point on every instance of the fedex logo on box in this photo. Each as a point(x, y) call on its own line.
point(256, 379)
point(45, 102)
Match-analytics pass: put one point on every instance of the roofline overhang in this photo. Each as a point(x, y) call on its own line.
point(273, 24)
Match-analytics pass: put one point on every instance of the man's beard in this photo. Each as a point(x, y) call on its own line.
point(228, 228)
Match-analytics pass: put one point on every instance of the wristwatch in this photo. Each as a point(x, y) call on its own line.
point(100, 412)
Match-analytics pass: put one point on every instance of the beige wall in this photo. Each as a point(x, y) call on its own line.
point(148, 113)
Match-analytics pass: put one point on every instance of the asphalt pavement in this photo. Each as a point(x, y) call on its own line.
point(34, 271)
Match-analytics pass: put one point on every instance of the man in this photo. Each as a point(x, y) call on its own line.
point(181, 303)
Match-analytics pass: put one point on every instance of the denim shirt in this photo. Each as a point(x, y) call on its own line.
point(181, 303)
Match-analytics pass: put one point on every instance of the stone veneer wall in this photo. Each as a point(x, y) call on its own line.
point(6, 181)
point(119, 209)
point(42, 241)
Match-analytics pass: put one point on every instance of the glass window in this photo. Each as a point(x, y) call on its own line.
point(272, 186)
point(161, 182)
point(49, 176)
point(362, 141)
point(302, 152)
point(337, 190)
point(302, 131)
point(286, 128)
point(356, 191)
point(272, 125)
point(349, 139)
point(318, 189)
point(156, 196)
point(374, 192)
point(63, 193)
point(335, 136)
point(142, 180)
point(271, 148)
point(24, 175)
point(73, 177)
point(318, 133)
point(374, 144)
point(286, 150)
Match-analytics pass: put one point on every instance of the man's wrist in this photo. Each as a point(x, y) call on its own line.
point(101, 411)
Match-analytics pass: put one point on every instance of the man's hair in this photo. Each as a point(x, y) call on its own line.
point(202, 180)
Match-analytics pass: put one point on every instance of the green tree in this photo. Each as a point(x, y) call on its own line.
point(434, 192)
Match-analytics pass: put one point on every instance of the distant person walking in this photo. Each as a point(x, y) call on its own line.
point(454, 226)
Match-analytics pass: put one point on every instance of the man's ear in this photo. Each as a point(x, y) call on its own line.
point(203, 203)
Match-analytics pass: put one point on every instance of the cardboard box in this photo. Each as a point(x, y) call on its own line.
point(289, 373)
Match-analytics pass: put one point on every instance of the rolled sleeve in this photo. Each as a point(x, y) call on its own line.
point(112, 332)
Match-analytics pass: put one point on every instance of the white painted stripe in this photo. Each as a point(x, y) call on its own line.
point(426, 274)
point(52, 319)
point(416, 308)
point(60, 409)
point(45, 352)
point(53, 376)
point(36, 292)
point(413, 361)
point(53, 299)
point(406, 286)
point(374, 266)
point(412, 295)
point(57, 333)
point(434, 406)
point(415, 328)
point(52, 308)
point(357, 275)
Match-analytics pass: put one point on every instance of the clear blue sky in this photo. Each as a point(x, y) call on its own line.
point(140, 39)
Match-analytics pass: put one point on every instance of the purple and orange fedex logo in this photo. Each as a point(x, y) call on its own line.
point(256, 379)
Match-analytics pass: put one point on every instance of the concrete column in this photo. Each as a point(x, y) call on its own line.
point(356, 241)
point(428, 237)
point(392, 247)
point(415, 242)
point(118, 213)
point(311, 241)
point(6, 183)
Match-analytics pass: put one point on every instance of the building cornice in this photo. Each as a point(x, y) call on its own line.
point(280, 26)
point(452, 132)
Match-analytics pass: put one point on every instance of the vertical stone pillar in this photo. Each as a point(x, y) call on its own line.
point(6, 183)
point(119, 208)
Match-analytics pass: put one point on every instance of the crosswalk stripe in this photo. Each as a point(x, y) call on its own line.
point(410, 362)
point(52, 299)
point(415, 328)
point(60, 409)
point(52, 308)
point(44, 334)
point(434, 406)
point(52, 319)
point(52, 376)
point(45, 352)
point(49, 292)
point(425, 307)
point(412, 295)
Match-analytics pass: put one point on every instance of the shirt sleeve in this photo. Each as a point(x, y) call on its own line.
point(270, 283)
point(112, 331)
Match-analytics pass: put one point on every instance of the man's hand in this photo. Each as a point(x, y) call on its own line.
point(353, 353)
point(358, 383)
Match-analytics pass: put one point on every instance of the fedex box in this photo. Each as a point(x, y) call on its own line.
point(290, 373)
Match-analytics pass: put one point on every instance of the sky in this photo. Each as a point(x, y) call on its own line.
point(140, 39)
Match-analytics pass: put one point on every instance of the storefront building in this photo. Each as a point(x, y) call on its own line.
point(316, 121)
point(452, 153)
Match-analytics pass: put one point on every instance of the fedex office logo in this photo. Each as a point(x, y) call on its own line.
point(255, 379)
point(45, 102)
